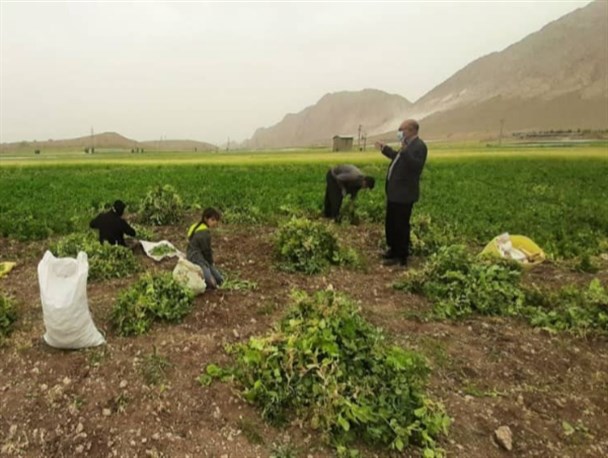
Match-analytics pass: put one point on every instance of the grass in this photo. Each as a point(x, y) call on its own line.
point(439, 150)
point(154, 368)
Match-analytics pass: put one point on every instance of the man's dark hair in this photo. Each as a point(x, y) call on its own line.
point(211, 213)
point(119, 207)
point(371, 182)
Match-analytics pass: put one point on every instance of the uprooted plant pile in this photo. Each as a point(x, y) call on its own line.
point(327, 366)
point(162, 205)
point(311, 247)
point(460, 284)
point(105, 261)
point(151, 298)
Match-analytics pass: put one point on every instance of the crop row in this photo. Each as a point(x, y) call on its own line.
point(561, 203)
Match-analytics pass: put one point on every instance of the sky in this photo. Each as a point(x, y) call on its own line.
point(213, 71)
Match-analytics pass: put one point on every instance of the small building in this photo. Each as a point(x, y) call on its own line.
point(342, 143)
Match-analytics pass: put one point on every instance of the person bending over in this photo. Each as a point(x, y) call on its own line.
point(111, 226)
point(341, 180)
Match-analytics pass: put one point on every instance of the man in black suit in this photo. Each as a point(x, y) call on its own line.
point(402, 190)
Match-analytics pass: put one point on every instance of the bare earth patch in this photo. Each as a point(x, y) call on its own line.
point(489, 372)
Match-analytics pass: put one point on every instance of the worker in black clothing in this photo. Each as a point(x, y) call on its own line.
point(341, 180)
point(111, 226)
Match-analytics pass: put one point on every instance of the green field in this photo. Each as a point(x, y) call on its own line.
point(557, 196)
point(322, 340)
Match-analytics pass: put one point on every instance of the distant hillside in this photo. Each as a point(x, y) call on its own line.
point(339, 113)
point(177, 145)
point(556, 78)
point(103, 140)
point(106, 140)
point(553, 79)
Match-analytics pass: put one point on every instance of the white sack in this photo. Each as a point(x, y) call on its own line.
point(63, 292)
point(149, 246)
point(189, 275)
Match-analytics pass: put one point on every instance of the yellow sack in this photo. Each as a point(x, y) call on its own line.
point(534, 255)
point(6, 267)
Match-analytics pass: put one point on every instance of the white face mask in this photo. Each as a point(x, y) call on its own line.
point(400, 135)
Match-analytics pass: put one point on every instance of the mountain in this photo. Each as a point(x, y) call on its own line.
point(338, 113)
point(555, 78)
point(106, 140)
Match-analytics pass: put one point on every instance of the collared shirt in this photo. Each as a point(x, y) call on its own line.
point(390, 169)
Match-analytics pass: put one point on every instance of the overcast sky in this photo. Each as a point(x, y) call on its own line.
point(209, 71)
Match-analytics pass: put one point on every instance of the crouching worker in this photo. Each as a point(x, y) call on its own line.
point(112, 228)
point(199, 247)
point(341, 180)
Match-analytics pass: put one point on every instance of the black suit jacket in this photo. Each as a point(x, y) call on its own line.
point(403, 186)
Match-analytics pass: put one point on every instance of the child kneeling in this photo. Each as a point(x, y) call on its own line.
point(199, 247)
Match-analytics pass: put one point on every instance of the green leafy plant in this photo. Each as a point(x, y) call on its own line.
point(568, 309)
point(162, 205)
point(311, 247)
point(324, 364)
point(8, 316)
point(152, 297)
point(459, 284)
point(427, 236)
point(243, 214)
point(162, 250)
point(350, 213)
point(587, 263)
point(105, 261)
point(232, 282)
point(143, 232)
point(154, 368)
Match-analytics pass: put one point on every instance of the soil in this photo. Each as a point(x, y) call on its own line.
point(488, 372)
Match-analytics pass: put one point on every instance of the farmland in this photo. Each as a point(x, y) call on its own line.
point(139, 395)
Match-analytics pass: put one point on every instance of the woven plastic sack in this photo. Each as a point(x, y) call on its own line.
point(189, 275)
point(63, 292)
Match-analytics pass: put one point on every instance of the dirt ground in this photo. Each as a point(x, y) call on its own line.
point(489, 372)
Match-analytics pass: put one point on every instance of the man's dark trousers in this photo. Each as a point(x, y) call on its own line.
point(397, 229)
point(333, 197)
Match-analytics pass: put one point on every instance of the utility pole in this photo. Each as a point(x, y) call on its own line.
point(359, 139)
point(92, 140)
point(364, 140)
point(502, 123)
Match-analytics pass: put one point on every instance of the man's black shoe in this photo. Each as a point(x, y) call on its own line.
point(395, 262)
point(388, 255)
